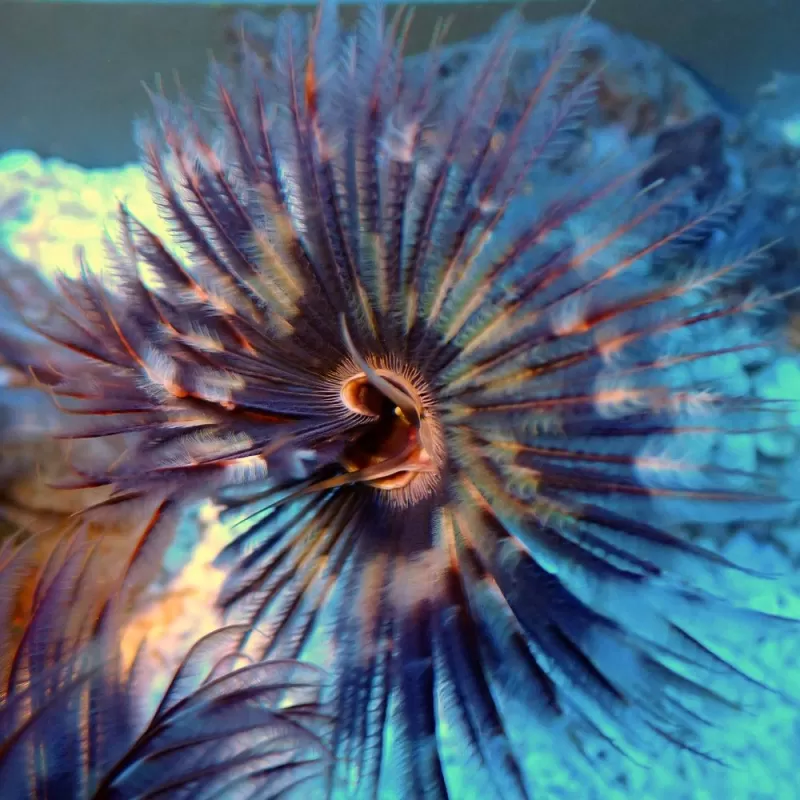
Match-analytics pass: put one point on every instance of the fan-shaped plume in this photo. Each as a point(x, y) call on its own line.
point(69, 726)
point(436, 391)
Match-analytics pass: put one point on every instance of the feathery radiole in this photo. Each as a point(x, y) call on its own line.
point(436, 419)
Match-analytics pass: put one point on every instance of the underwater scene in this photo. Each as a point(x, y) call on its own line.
point(400, 401)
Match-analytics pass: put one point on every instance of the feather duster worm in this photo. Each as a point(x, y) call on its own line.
point(69, 725)
point(436, 403)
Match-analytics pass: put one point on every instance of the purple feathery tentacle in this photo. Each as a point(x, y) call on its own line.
point(417, 365)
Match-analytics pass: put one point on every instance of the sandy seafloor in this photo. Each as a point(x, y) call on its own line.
point(48, 207)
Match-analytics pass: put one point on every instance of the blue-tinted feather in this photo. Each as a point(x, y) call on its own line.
point(69, 718)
